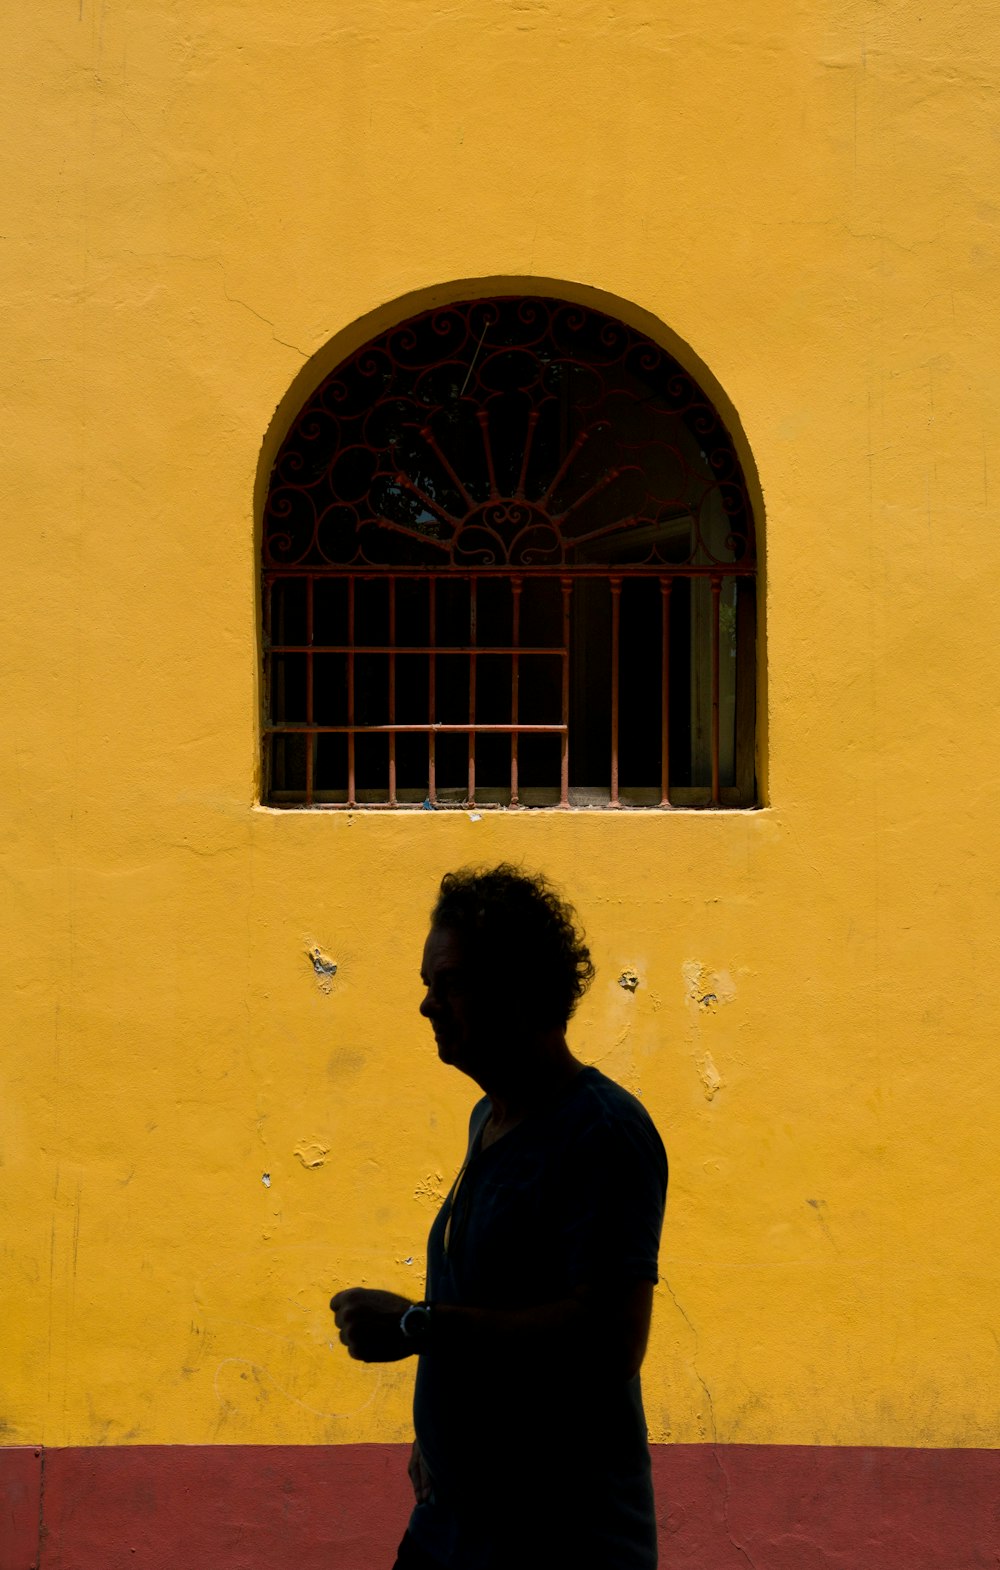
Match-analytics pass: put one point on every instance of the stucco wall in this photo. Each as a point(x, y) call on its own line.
point(204, 201)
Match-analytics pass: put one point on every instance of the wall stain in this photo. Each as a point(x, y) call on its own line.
point(265, 1385)
point(822, 1211)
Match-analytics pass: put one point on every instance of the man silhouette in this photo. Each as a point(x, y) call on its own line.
point(530, 1446)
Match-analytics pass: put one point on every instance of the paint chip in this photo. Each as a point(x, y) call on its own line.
point(707, 989)
point(710, 1077)
point(324, 966)
point(475, 817)
point(431, 1189)
point(628, 980)
point(311, 1152)
point(265, 1178)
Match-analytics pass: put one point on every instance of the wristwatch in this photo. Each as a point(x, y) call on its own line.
point(416, 1323)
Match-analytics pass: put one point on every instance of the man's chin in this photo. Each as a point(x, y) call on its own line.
point(450, 1052)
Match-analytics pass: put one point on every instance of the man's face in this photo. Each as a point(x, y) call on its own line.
point(450, 1002)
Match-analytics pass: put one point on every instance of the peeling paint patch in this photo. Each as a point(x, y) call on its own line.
point(628, 980)
point(710, 1076)
point(431, 1189)
point(311, 1152)
point(324, 966)
point(265, 1178)
point(706, 989)
point(322, 963)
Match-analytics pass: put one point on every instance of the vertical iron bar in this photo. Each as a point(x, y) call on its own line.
point(392, 689)
point(472, 691)
point(716, 596)
point(567, 592)
point(484, 425)
point(432, 690)
point(665, 587)
point(616, 593)
point(310, 733)
point(516, 585)
point(351, 789)
point(526, 456)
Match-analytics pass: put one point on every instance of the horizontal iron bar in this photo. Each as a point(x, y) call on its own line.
point(423, 730)
point(398, 648)
point(612, 570)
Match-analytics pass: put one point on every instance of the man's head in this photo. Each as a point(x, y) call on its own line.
point(505, 963)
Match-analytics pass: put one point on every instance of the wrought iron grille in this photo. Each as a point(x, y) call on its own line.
point(508, 560)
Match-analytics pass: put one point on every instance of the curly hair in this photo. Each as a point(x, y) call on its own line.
point(524, 939)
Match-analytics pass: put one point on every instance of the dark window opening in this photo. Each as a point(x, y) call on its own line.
point(509, 561)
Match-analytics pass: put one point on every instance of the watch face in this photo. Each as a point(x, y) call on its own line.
point(415, 1321)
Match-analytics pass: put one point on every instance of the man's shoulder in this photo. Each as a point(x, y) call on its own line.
point(613, 1164)
point(604, 1099)
point(606, 1111)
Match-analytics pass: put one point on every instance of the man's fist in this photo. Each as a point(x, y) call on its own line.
point(368, 1322)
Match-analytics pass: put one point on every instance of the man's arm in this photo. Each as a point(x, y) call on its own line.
point(610, 1325)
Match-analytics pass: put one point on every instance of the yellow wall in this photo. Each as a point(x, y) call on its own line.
point(202, 197)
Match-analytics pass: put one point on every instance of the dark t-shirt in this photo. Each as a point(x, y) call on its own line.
point(534, 1459)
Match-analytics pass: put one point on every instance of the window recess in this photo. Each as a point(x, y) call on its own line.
point(509, 562)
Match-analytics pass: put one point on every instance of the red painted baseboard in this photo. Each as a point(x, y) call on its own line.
point(284, 1507)
point(20, 1507)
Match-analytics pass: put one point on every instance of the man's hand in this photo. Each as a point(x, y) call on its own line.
point(419, 1476)
point(368, 1322)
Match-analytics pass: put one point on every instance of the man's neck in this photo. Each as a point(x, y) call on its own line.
point(546, 1070)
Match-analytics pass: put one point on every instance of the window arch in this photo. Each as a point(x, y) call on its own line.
point(509, 560)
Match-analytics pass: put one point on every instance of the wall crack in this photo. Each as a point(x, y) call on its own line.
point(726, 1491)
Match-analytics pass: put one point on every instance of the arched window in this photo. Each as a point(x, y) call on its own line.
point(509, 560)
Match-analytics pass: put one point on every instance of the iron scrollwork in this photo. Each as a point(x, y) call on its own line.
point(508, 433)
